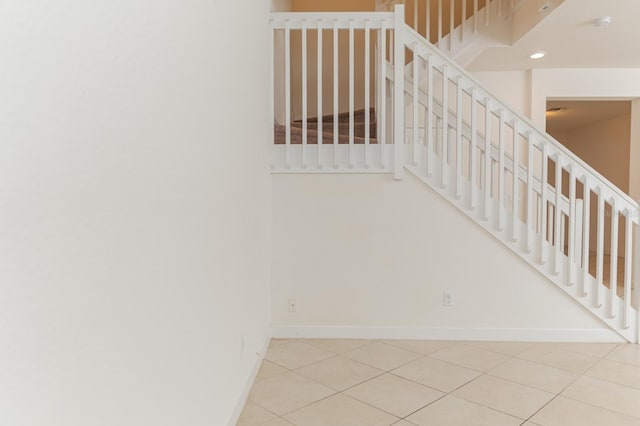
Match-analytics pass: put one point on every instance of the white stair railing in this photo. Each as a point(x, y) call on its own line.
point(454, 25)
point(434, 120)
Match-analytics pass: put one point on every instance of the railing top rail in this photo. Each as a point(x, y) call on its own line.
point(413, 37)
point(358, 19)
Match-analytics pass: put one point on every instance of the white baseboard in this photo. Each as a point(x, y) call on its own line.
point(448, 333)
point(247, 387)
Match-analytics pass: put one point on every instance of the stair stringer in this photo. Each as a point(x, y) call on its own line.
point(533, 257)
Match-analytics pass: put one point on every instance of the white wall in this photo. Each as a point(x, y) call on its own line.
point(134, 210)
point(364, 255)
point(511, 87)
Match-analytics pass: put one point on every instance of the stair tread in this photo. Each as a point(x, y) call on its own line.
point(312, 137)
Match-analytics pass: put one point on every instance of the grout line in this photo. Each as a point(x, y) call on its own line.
point(445, 394)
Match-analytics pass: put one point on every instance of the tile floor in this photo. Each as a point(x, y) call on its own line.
point(309, 382)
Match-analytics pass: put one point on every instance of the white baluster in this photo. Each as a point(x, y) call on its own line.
point(445, 127)
point(516, 181)
point(464, 19)
point(586, 211)
point(557, 222)
point(367, 91)
point(487, 12)
point(335, 93)
point(319, 93)
point(304, 93)
point(530, 211)
point(458, 170)
point(272, 87)
point(572, 225)
point(543, 204)
point(600, 254)
point(451, 23)
point(287, 92)
point(351, 92)
point(628, 262)
point(414, 104)
point(382, 92)
point(475, 16)
point(474, 149)
point(501, 155)
point(398, 105)
point(487, 158)
point(613, 258)
point(429, 123)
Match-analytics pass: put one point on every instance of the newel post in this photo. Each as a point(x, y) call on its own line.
point(398, 92)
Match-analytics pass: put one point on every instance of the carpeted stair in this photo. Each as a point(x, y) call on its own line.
point(327, 129)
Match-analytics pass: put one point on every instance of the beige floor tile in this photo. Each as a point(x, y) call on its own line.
point(382, 356)
point(536, 375)
point(629, 354)
point(254, 415)
point(268, 370)
point(452, 411)
point(502, 395)
point(340, 410)
point(505, 348)
point(437, 374)
point(394, 394)
point(592, 349)
point(278, 422)
point(616, 372)
point(338, 346)
point(567, 412)
point(554, 356)
point(424, 347)
point(339, 373)
point(403, 423)
point(287, 392)
point(604, 394)
point(296, 354)
point(470, 357)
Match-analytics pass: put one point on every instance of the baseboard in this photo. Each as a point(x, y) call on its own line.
point(247, 386)
point(448, 333)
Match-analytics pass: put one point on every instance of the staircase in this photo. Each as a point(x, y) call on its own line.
point(424, 115)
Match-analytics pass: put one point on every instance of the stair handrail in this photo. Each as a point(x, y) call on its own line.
point(411, 36)
point(466, 129)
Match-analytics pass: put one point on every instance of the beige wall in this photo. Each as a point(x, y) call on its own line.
point(605, 147)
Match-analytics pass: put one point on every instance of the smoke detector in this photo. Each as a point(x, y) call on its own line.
point(602, 22)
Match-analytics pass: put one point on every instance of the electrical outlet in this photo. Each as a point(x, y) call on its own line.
point(447, 299)
point(243, 342)
point(293, 306)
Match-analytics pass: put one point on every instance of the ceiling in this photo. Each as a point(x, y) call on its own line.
point(581, 113)
point(570, 39)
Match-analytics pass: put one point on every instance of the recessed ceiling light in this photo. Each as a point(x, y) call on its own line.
point(537, 55)
point(602, 22)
